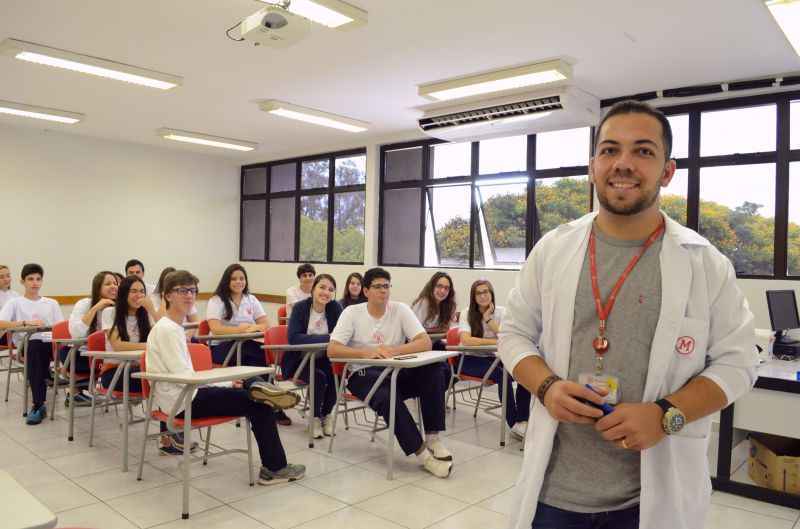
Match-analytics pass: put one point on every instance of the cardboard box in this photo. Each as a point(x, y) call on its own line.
point(775, 462)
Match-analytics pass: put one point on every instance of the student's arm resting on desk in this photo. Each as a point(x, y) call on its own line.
point(119, 345)
point(8, 317)
point(468, 339)
point(217, 328)
point(419, 343)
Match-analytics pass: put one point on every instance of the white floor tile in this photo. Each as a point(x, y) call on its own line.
point(723, 517)
point(412, 507)
point(61, 495)
point(284, 506)
point(97, 515)
point(316, 463)
point(160, 505)
point(352, 484)
point(85, 463)
point(502, 503)
point(350, 518)
point(229, 486)
point(30, 474)
point(494, 472)
point(219, 518)
point(759, 507)
point(113, 483)
point(473, 518)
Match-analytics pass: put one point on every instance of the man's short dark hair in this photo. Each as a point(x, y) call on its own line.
point(305, 268)
point(631, 106)
point(178, 278)
point(31, 268)
point(134, 262)
point(375, 273)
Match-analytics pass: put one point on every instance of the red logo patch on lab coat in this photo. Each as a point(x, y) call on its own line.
point(684, 345)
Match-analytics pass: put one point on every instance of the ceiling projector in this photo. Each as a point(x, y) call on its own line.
point(275, 27)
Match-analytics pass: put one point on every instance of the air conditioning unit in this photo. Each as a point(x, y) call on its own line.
point(523, 112)
point(275, 27)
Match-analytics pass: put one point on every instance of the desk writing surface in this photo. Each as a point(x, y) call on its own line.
point(420, 359)
point(210, 376)
point(19, 509)
point(782, 369)
point(114, 355)
point(71, 341)
point(306, 347)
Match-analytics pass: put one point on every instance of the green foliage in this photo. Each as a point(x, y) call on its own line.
point(563, 201)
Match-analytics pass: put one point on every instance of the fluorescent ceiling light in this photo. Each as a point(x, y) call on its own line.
point(496, 81)
point(47, 114)
point(310, 115)
point(787, 15)
point(35, 53)
point(205, 139)
point(330, 13)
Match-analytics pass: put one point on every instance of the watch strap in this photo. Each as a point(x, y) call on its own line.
point(665, 405)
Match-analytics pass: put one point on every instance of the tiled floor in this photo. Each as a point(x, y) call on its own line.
point(85, 487)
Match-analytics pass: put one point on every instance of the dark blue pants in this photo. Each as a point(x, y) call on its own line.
point(548, 517)
point(81, 362)
point(135, 385)
point(214, 402)
point(39, 356)
point(425, 382)
point(517, 409)
point(324, 386)
point(252, 353)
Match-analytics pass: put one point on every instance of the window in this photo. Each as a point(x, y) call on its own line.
point(793, 248)
point(442, 207)
point(738, 130)
point(679, 124)
point(309, 209)
point(674, 197)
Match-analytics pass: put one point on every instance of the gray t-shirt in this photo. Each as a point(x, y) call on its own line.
point(587, 473)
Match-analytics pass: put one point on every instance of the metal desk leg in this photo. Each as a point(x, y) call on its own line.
point(187, 440)
point(312, 376)
point(126, 383)
point(93, 393)
point(390, 433)
point(54, 394)
point(71, 360)
point(23, 349)
point(504, 405)
point(339, 397)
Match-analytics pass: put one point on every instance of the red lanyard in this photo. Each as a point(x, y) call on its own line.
point(600, 343)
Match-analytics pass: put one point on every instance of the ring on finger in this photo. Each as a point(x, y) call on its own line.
point(625, 443)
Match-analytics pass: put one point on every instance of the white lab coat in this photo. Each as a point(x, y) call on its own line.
point(700, 299)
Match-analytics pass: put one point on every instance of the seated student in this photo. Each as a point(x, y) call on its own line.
point(135, 267)
point(167, 352)
point(380, 328)
point(233, 310)
point(86, 319)
point(31, 309)
point(5, 293)
point(127, 325)
point(311, 322)
point(353, 293)
point(479, 326)
point(305, 274)
point(157, 298)
point(435, 308)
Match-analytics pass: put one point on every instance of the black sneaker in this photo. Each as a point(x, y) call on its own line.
point(78, 400)
point(282, 419)
point(177, 442)
point(175, 445)
point(288, 473)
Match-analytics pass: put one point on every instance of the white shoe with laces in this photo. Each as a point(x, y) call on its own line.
point(519, 429)
point(316, 427)
point(327, 425)
point(438, 450)
point(439, 468)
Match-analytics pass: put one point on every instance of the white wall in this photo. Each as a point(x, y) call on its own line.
point(77, 205)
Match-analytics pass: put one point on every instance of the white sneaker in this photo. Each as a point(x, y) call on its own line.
point(519, 429)
point(316, 427)
point(327, 425)
point(440, 469)
point(438, 449)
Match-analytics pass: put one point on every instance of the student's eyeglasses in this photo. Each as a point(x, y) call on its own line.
point(185, 291)
point(482, 292)
point(137, 291)
point(381, 286)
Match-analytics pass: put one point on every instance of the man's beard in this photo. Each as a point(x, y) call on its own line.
point(638, 206)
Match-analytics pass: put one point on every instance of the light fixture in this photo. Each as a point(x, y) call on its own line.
point(36, 53)
point(525, 117)
point(310, 115)
point(787, 15)
point(496, 81)
point(47, 114)
point(330, 13)
point(205, 139)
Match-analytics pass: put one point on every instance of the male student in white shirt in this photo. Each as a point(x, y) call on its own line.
point(167, 352)
point(381, 328)
point(34, 310)
point(294, 294)
point(5, 293)
point(134, 267)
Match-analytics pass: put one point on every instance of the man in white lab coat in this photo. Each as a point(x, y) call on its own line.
point(631, 331)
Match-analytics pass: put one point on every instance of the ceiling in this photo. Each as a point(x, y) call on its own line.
point(370, 73)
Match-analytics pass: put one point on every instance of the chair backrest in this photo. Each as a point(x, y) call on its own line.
point(282, 311)
point(203, 329)
point(96, 341)
point(60, 332)
point(201, 361)
point(453, 336)
point(276, 335)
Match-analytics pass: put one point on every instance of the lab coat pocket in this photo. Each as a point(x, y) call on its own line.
point(693, 484)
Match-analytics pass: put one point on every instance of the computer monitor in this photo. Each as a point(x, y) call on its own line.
point(782, 307)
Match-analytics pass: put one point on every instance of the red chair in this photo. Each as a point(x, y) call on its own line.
point(109, 396)
point(61, 332)
point(201, 361)
point(279, 335)
point(282, 315)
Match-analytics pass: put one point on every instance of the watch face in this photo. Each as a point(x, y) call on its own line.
point(675, 421)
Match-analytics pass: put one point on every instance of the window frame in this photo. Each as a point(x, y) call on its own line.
point(331, 190)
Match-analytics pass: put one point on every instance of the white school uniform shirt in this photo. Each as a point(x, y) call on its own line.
point(21, 308)
point(248, 311)
point(6, 296)
point(420, 309)
point(317, 323)
point(357, 328)
point(463, 322)
point(131, 325)
point(167, 352)
point(701, 301)
point(78, 329)
point(293, 295)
